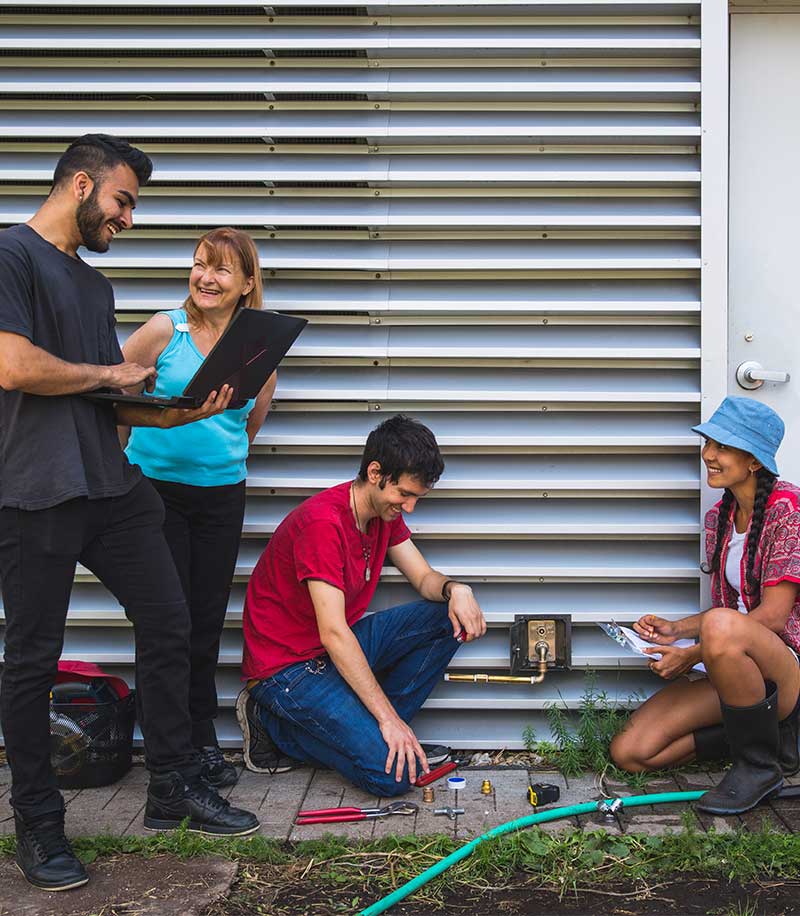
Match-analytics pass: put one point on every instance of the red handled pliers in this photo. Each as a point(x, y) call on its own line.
point(342, 815)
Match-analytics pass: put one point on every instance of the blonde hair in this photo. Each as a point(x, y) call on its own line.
point(238, 245)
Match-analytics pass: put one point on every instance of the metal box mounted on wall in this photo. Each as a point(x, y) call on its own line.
point(530, 633)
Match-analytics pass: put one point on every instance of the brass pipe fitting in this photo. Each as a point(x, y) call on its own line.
point(541, 651)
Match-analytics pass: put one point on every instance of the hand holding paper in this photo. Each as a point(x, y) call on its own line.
point(656, 629)
point(649, 648)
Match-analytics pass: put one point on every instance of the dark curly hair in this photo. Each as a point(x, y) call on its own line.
point(402, 445)
point(97, 154)
point(765, 483)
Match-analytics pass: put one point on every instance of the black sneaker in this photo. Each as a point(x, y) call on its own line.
point(45, 857)
point(435, 753)
point(215, 770)
point(260, 753)
point(171, 799)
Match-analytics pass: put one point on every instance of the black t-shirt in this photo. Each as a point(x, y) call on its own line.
point(57, 448)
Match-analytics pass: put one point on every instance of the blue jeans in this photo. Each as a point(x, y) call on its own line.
point(313, 715)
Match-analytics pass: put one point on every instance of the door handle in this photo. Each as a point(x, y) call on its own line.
point(751, 375)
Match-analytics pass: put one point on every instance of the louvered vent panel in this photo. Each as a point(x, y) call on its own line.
point(490, 212)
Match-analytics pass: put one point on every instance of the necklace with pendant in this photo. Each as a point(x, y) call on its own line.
point(366, 548)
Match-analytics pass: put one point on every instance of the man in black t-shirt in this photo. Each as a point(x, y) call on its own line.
point(69, 495)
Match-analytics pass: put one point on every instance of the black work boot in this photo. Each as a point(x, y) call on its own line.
point(215, 770)
point(711, 743)
point(755, 775)
point(171, 798)
point(44, 855)
point(788, 755)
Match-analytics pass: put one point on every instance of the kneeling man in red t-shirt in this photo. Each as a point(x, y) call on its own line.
point(326, 685)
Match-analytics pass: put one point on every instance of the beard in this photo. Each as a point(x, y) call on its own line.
point(91, 220)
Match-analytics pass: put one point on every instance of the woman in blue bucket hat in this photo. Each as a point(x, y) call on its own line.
point(745, 705)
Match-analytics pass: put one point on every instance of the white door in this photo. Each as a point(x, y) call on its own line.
point(764, 207)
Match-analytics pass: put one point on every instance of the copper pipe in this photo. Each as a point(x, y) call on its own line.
point(541, 649)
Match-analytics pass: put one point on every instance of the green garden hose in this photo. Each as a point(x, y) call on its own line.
point(552, 814)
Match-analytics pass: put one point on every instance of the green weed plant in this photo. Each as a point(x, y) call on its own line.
point(579, 743)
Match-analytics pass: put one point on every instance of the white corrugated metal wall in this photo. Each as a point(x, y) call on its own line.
point(490, 212)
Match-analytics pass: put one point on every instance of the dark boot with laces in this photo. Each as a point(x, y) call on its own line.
point(45, 857)
point(215, 770)
point(171, 799)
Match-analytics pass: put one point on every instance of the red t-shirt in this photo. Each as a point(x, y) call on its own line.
point(317, 540)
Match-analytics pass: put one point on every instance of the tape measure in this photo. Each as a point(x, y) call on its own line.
point(542, 793)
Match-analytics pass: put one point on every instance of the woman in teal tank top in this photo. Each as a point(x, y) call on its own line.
point(200, 469)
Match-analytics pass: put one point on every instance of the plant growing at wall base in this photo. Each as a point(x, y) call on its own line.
point(580, 744)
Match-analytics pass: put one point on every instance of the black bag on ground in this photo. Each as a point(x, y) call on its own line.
point(91, 733)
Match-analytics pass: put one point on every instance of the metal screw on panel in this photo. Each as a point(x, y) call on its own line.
point(748, 337)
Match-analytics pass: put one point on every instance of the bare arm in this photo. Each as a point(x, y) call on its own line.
point(346, 653)
point(169, 417)
point(261, 408)
point(144, 346)
point(463, 609)
point(26, 367)
point(776, 605)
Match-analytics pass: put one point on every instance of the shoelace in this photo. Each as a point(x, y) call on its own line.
point(48, 840)
point(206, 795)
point(211, 756)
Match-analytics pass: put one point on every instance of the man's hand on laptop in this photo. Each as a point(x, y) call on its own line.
point(465, 612)
point(128, 375)
point(215, 403)
point(403, 749)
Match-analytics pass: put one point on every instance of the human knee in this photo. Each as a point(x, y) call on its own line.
point(623, 751)
point(721, 630)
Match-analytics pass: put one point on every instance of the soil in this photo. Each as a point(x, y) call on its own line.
point(259, 890)
point(124, 885)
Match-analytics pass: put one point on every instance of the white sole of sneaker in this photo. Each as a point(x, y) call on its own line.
point(62, 887)
point(159, 826)
point(241, 718)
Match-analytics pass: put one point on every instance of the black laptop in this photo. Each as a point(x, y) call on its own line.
point(244, 357)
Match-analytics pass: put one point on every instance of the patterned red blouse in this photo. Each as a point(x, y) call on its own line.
point(777, 556)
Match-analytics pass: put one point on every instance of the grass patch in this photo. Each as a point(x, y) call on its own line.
point(563, 862)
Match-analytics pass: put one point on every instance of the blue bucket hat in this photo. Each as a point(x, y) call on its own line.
point(746, 424)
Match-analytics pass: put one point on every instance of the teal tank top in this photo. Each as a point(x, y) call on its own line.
point(208, 453)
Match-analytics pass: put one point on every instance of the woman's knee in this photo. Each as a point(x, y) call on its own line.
point(721, 630)
point(623, 751)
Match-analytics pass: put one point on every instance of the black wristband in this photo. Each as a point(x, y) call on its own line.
point(447, 582)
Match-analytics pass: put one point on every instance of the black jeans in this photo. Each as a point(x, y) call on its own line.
point(120, 540)
point(203, 527)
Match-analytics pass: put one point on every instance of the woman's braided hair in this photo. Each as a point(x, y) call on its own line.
point(765, 482)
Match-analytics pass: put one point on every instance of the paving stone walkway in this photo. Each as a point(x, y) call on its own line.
point(117, 809)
